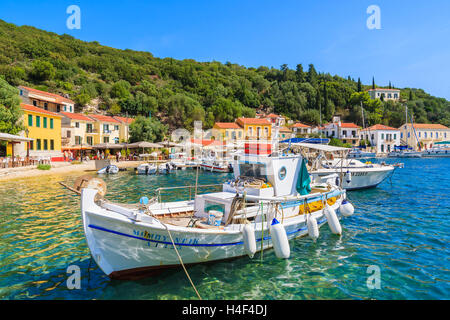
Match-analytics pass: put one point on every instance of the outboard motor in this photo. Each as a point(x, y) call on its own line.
point(146, 170)
point(107, 169)
point(230, 167)
point(167, 167)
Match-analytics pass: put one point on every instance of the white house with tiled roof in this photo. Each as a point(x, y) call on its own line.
point(382, 138)
point(427, 134)
point(347, 132)
point(46, 100)
point(300, 128)
point(387, 94)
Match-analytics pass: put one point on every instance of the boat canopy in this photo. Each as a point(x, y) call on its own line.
point(321, 147)
point(307, 140)
point(443, 142)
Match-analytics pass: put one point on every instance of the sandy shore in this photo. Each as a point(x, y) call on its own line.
point(58, 169)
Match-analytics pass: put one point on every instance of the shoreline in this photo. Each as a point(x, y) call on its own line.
point(59, 169)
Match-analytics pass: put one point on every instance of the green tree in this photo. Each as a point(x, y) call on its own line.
point(10, 111)
point(299, 74)
point(359, 85)
point(42, 70)
point(121, 90)
point(146, 129)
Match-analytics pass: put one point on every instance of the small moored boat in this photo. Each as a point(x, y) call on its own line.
point(110, 169)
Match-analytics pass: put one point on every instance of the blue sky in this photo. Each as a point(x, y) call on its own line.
point(412, 48)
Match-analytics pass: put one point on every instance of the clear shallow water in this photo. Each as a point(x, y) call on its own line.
point(403, 228)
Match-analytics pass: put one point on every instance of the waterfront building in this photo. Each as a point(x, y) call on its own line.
point(45, 100)
point(426, 133)
point(387, 94)
point(44, 127)
point(255, 128)
point(284, 133)
point(77, 130)
point(347, 132)
point(124, 128)
point(382, 138)
point(275, 119)
point(228, 131)
point(301, 129)
point(107, 127)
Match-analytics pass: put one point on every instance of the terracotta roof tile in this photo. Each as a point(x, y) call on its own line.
point(227, 125)
point(254, 121)
point(124, 119)
point(77, 116)
point(102, 118)
point(39, 110)
point(59, 99)
point(379, 127)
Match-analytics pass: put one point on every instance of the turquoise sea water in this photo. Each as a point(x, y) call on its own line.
point(402, 228)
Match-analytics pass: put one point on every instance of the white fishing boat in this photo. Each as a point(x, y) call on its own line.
point(270, 201)
point(147, 168)
point(357, 153)
point(439, 150)
point(110, 169)
point(164, 168)
point(404, 152)
point(352, 174)
point(214, 165)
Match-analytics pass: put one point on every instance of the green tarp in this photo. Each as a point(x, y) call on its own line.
point(303, 181)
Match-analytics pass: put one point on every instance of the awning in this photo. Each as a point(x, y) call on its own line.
point(77, 148)
point(144, 144)
point(443, 142)
point(13, 138)
point(109, 146)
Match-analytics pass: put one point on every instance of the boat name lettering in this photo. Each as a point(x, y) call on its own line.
point(157, 239)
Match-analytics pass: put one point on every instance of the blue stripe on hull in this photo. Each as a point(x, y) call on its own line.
point(193, 245)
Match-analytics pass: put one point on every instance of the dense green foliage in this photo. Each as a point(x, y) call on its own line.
point(146, 129)
point(10, 111)
point(178, 92)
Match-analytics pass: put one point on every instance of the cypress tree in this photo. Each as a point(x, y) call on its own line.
point(373, 83)
point(300, 74)
point(359, 85)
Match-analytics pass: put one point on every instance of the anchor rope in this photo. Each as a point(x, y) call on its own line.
point(181, 260)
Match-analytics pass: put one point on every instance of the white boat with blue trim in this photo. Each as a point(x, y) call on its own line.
point(270, 201)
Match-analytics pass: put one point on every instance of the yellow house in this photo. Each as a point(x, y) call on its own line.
point(228, 131)
point(107, 127)
point(254, 128)
point(124, 132)
point(45, 128)
point(77, 130)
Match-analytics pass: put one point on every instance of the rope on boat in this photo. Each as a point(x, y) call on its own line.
point(262, 229)
point(181, 260)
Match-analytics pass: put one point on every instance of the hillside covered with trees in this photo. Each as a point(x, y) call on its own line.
point(176, 93)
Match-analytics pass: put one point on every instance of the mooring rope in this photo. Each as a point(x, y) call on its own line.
point(181, 260)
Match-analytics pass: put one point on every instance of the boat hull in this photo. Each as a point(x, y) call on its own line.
point(360, 179)
point(129, 250)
